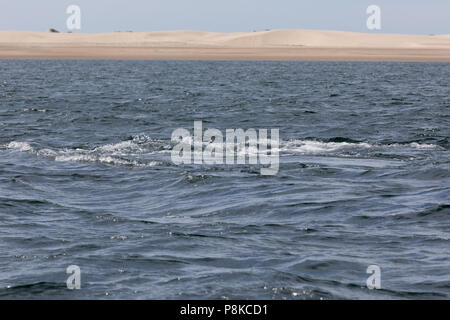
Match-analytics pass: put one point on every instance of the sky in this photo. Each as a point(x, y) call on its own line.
point(397, 16)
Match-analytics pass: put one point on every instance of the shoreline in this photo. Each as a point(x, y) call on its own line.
point(194, 45)
point(244, 54)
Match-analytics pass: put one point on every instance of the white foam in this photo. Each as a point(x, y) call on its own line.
point(131, 152)
point(47, 152)
point(105, 159)
point(422, 146)
point(74, 158)
point(20, 146)
point(106, 154)
point(120, 148)
point(35, 110)
point(309, 146)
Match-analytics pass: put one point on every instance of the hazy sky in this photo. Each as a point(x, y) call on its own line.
point(398, 16)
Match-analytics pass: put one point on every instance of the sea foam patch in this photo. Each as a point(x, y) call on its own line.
point(123, 153)
point(134, 152)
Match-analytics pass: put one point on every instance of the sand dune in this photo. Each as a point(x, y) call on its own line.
point(276, 44)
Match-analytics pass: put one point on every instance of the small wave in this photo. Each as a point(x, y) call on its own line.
point(34, 110)
point(342, 144)
point(415, 145)
point(441, 209)
point(124, 147)
point(311, 146)
point(112, 154)
point(31, 290)
point(20, 146)
point(103, 159)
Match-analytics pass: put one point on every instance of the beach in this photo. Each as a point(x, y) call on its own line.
point(196, 45)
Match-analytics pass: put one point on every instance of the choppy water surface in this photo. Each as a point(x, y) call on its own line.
point(86, 178)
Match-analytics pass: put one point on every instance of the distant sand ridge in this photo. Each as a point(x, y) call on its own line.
point(271, 45)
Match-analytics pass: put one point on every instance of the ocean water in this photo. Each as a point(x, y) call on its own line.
point(86, 179)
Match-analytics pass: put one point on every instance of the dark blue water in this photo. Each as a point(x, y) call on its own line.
point(86, 179)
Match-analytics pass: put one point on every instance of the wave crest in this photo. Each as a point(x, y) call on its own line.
point(122, 153)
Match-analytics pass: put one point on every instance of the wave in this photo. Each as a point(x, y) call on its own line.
point(136, 150)
point(34, 110)
point(123, 153)
point(105, 160)
point(20, 146)
point(312, 146)
point(332, 145)
point(30, 290)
